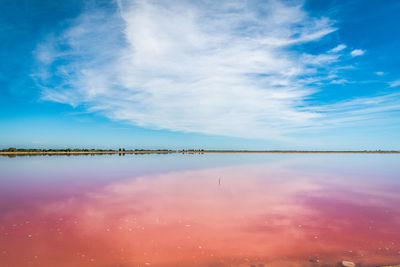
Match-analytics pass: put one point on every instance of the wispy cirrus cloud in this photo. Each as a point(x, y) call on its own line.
point(358, 111)
point(224, 68)
point(394, 83)
point(357, 52)
point(338, 48)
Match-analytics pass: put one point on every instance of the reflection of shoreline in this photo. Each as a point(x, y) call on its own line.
point(140, 152)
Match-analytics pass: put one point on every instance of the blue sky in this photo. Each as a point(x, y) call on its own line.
point(200, 74)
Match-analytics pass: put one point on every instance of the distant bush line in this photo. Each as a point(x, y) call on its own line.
point(122, 151)
point(80, 150)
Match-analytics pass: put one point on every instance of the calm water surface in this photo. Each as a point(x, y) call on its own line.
point(199, 210)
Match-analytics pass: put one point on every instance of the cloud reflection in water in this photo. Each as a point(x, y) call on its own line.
point(238, 215)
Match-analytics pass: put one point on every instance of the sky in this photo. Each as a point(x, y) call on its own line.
point(200, 74)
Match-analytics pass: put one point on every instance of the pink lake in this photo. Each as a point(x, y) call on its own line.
point(200, 210)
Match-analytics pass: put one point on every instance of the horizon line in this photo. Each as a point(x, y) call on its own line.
point(68, 151)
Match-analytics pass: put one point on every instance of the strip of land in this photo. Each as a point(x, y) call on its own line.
point(22, 152)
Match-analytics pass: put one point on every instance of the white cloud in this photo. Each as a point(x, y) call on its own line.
point(357, 52)
point(358, 111)
point(339, 81)
point(379, 73)
point(338, 48)
point(394, 83)
point(213, 68)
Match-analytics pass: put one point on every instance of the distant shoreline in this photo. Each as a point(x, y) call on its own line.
point(25, 152)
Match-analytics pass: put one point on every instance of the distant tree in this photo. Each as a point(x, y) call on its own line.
point(12, 149)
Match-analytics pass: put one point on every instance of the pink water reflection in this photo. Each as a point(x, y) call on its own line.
point(254, 214)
